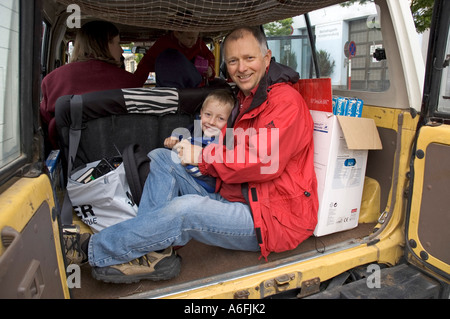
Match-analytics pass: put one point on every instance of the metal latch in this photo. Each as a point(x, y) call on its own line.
point(309, 287)
point(382, 217)
point(278, 284)
point(241, 294)
point(282, 282)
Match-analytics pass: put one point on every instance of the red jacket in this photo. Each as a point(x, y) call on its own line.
point(283, 199)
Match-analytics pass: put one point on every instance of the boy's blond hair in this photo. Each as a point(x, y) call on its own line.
point(223, 96)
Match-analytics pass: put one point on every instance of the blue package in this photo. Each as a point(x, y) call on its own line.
point(341, 104)
point(333, 103)
point(358, 108)
point(351, 107)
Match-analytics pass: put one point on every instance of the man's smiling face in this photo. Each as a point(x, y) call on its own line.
point(246, 63)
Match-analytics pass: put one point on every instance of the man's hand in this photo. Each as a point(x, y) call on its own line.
point(188, 153)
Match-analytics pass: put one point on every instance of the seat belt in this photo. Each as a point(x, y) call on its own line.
point(76, 119)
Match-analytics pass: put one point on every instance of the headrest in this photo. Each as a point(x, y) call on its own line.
point(191, 99)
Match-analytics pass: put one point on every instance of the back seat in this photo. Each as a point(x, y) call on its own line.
point(114, 119)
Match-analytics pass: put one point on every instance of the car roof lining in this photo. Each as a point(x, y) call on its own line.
point(213, 18)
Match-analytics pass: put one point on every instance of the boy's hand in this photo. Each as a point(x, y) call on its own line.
point(170, 142)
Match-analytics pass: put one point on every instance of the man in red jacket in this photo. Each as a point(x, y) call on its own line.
point(282, 188)
point(267, 198)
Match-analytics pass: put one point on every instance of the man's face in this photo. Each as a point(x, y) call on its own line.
point(245, 62)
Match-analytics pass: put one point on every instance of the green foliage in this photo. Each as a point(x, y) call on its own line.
point(282, 27)
point(138, 56)
point(351, 2)
point(290, 59)
point(422, 11)
point(326, 65)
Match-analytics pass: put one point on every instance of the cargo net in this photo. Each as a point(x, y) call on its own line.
point(195, 15)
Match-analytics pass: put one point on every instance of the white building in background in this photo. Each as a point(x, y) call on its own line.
point(129, 60)
point(332, 35)
point(334, 27)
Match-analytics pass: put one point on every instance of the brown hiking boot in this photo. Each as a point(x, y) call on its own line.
point(72, 246)
point(152, 266)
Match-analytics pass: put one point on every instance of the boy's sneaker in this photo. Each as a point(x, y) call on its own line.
point(152, 266)
point(73, 241)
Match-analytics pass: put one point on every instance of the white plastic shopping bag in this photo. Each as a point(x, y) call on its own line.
point(101, 201)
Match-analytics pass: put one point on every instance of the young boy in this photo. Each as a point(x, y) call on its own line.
point(214, 115)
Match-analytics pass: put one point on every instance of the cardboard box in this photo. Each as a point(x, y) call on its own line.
point(341, 145)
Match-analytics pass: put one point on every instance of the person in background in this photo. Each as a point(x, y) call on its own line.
point(180, 59)
point(95, 66)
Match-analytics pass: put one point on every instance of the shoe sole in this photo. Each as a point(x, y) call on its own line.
point(166, 269)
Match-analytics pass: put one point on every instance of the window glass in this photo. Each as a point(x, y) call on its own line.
point(293, 51)
point(44, 48)
point(346, 38)
point(444, 96)
point(9, 82)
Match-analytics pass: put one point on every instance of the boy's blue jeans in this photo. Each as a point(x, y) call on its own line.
point(173, 210)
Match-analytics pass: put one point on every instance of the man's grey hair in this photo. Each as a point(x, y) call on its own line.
point(238, 33)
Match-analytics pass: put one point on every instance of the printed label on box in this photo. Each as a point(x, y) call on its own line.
point(346, 176)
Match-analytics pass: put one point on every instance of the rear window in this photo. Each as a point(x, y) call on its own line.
point(444, 96)
point(346, 37)
point(9, 82)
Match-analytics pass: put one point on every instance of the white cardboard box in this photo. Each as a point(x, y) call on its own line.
point(341, 145)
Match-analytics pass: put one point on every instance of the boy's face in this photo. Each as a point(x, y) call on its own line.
point(214, 116)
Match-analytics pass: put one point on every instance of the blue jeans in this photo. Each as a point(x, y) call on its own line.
point(173, 210)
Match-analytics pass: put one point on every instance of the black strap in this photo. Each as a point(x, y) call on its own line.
point(244, 190)
point(76, 116)
point(136, 164)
